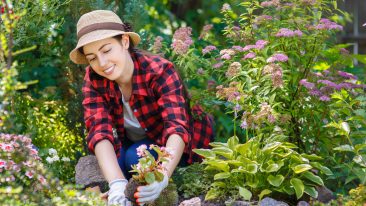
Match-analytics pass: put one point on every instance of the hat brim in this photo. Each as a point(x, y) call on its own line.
point(78, 58)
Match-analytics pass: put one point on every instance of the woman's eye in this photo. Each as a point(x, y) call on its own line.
point(92, 59)
point(107, 51)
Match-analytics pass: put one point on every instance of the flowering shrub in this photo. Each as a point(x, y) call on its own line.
point(148, 169)
point(281, 71)
point(25, 180)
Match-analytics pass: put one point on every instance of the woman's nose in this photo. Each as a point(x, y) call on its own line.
point(103, 61)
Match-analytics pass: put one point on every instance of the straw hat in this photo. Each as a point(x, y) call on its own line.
point(98, 25)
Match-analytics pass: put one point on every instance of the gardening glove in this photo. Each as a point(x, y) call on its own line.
point(151, 192)
point(116, 193)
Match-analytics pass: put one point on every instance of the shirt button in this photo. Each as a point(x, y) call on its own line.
point(135, 110)
point(145, 129)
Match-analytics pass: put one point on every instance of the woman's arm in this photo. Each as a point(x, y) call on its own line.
point(107, 161)
point(176, 144)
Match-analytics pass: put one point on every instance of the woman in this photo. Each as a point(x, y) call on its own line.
point(132, 99)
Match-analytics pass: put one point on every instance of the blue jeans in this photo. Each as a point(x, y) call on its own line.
point(128, 156)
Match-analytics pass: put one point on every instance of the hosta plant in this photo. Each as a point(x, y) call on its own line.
point(260, 167)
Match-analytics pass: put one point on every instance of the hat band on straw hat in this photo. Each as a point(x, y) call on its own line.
point(101, 26)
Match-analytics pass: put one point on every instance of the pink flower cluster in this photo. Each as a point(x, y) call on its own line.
point(208, 49)
point(250, 55)
point(19, 160)
point(270, 3)
point(308, 2)
point(277, 58)
point(324, 87)
point(326, 24)
point(157, 44)
point(182, 40)
point(205, 31)
point(284, 32)
point(258, 45)
point(262, 18)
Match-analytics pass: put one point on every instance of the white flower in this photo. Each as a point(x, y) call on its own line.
point(65, 159)
point(49, 160)
point(52, 151)
point(56, 158)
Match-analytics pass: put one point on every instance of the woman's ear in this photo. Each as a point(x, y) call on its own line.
point(125, 41)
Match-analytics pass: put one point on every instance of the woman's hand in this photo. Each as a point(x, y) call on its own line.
point(151, 192)
point(116, 193)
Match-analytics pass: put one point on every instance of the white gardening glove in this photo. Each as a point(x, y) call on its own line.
point(151, 192)
point(116, 193)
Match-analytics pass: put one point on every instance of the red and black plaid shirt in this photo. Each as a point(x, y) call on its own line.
point(157, 101)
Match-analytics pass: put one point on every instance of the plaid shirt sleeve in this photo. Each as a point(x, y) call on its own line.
point(98, 120)
point(170, 90)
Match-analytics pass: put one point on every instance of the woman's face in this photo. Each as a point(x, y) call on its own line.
point(110, 58)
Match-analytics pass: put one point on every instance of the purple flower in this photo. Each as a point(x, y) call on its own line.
point(285, 32)
point(347, 75)
point(248, 47)
point(345, 85)
point(328, 83)
point(208, 49)
point(307, 84)
point(218, 65)
point(182, 40)
point(324, 98)
point(326, 24)
point(200, 71)
point(315, 92)
point(237, 48)
point(262, 18)
point(277, 58)
point(271, 118)
point(250, 55)
point(244, 124)
point(226, 56)
point(260, 44)
point(205, 31)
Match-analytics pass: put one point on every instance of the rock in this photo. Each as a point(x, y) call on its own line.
point(302, 203)
point(271, 202)
point(196, 201)
point(87, 172)
point(241, 203)
point(324, 194)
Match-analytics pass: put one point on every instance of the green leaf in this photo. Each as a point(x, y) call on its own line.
point(272, 168)
point(312, 157)
point(149, 177)
point(275, 180)
point(311, 191)
point(246, 194)
point(213, 193)
point(298, 186)
point(252, 168)
point(322, 168)
point(271, 146)
point(344, 148)
point(359, 160)
point(301, 168)
point(314, 178)
point(223, 151)
point(232, 142)
point(264, 192)
point(206, 153)
point(222, 175)
point(321, 66)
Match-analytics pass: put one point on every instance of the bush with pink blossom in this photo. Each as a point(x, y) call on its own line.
point(282, 72)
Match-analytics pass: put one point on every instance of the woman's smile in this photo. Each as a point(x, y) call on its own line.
point(109, 70)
